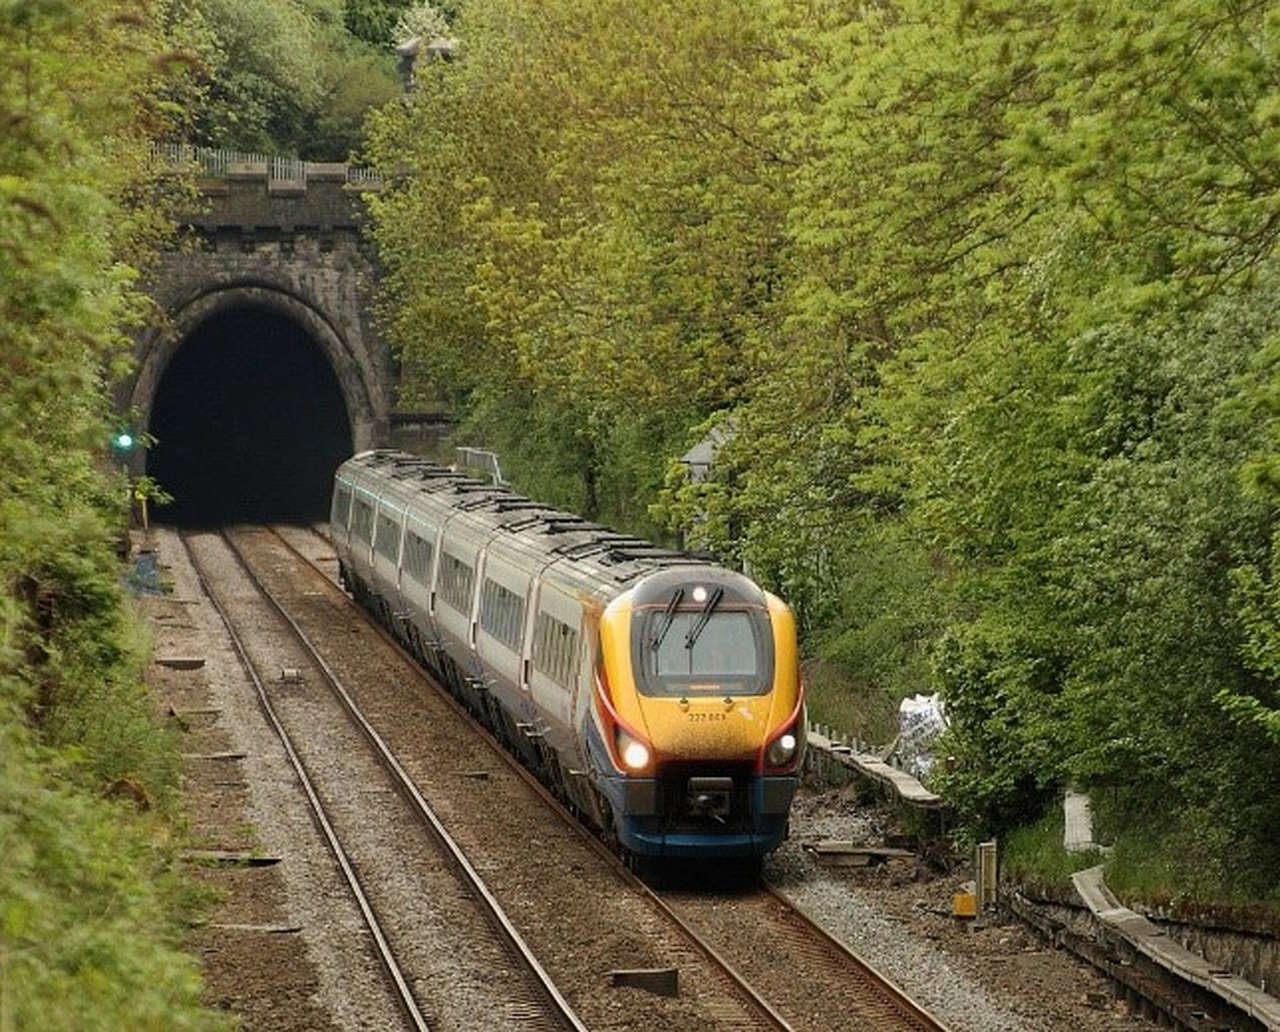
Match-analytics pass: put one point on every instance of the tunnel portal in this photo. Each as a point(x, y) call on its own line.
point(249, 422)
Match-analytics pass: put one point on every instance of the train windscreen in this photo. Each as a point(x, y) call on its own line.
point(689, 652)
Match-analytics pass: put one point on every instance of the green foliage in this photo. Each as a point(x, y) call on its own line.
point(979, 299)
point(373, 20)
point(580, 183)
point(276, 76)
point(423, 20)
point(89, 903)
point(87, 894)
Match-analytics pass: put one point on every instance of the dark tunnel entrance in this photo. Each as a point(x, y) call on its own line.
point(249, 422)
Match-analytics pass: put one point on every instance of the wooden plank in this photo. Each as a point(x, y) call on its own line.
point(663, 981)
point(180, 662)
point(846, 848)
point(228, 858)
point(256, 929)
point(907, 787)
point(1077, 823)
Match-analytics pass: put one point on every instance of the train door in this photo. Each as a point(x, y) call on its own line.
point(363, 503)
point(340, 515)
point(454, 595)
point(417, 569)
point(388, 530)
point(584, 684)
point(555, 658)
point(502, 606)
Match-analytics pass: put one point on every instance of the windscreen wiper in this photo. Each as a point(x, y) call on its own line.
point(703, 617)
point(668, 618)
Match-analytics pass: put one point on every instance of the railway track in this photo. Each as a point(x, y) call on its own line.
point(838, 988)
point(540, 1005)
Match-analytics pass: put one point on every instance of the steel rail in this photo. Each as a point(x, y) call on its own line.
point(911, 1010)
point(403, 993)
point(772, 1016)
point(493, 910)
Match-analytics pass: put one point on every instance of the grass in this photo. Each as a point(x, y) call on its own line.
point(92, 901)
point(1034, 854)
point(1179, 856)
point(1159, 860)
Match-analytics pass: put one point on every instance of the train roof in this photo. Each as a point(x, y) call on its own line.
point(594, 550)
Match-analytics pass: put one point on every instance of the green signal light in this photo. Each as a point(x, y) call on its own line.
point(123, 441)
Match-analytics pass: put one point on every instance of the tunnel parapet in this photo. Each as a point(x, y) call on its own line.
point(286, 196)
point(281, 235)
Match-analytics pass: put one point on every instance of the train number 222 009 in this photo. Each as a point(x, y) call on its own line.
point(707, 715)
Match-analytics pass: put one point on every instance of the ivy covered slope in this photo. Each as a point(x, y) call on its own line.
point(89, 903)
point(982, 296)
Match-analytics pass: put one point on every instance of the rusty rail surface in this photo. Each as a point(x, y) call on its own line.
point(913, 1014)
point(385, 955)
point(558, 1008)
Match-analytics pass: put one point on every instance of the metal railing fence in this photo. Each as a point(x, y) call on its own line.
point(215, 163)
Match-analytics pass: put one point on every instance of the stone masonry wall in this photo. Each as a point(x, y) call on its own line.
point(294, 247)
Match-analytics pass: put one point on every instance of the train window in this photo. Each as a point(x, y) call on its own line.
point(387, 543)
point(502, 613)
point(455, 583)
point(417, 558)
point(341, 506)
point(555, 649)
point(362, 520)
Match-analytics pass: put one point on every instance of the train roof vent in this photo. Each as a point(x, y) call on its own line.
point(633, 566)
point(517, 503)
point(595, 541)
point(647, 551)
point(564, 523)
point(486, 496)
point(526, 517)
point(438, 473)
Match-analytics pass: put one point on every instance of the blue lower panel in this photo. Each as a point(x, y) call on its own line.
point(643, 827)
point(646, 836)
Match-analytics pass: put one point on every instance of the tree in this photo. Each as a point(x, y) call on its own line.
point(978, 294)
point(88, 918)
point(593, 182)
point(277, 76)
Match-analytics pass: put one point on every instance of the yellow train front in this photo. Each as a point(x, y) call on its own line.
point(696, 732)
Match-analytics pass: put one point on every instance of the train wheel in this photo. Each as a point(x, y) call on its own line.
point(649, 869)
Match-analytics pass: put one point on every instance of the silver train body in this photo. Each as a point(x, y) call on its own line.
point(515, 605)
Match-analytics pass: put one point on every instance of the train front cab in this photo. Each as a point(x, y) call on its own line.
point(702, 761)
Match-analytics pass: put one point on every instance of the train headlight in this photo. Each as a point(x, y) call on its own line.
point(781, 753)
point(782, 750)
point(634, 753)
point(635, 756)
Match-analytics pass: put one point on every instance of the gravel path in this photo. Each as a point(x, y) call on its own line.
point(986, 978)
point(458, 969)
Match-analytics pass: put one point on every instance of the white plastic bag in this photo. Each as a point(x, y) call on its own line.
point(921, 719)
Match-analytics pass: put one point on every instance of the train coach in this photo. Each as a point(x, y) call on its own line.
point(656, 693)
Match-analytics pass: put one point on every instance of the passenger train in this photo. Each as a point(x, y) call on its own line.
point(657, 693)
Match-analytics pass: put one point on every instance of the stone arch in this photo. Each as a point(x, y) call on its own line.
point(359, 396)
